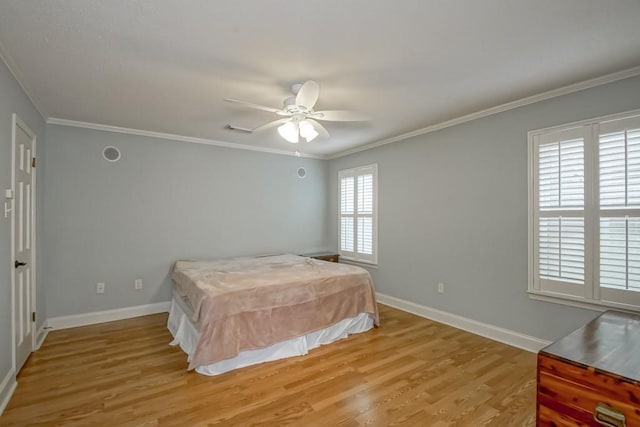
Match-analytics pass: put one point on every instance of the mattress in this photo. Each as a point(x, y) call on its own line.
point(244, 304)
point(186, 335)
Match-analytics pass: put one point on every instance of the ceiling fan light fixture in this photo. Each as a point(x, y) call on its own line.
point(289, 131)
point(312, 136)
point(300, 118)
point(307, 131)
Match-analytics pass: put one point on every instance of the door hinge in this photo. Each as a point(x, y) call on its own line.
point(33, 316)
point(33, 162)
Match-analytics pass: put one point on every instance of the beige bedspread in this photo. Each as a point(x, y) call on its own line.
point(248, 303)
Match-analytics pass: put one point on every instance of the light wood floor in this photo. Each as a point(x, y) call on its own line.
point(411, 371)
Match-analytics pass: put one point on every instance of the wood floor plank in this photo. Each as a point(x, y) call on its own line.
point(410, 371)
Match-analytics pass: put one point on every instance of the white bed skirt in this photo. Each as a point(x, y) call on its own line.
point(186, 334)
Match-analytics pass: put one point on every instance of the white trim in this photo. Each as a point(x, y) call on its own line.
point(496, 333)
point(34, 269)
point(354, 255)
point(174, 137)
point(84, 319)
point(43, 331)
point(565, 90)
point(363, 264)
point(14, 70)
point(595, 305)
point(15, 123)
point(589, 293)
point(12, 250)
point(7, 387)
point(531, 218)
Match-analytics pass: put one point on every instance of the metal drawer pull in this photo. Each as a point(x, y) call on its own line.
point(608, 416)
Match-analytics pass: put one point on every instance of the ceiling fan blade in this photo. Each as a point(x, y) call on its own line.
point(319, 128)
point(340, 116)
point(255, 106)
point(308, 94)
point(271, 124)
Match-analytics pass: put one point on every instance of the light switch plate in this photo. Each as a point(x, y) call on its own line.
point(8, 193)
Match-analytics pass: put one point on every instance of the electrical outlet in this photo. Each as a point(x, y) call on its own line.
point(441, 288)
point(138, 284)
point(100, 288)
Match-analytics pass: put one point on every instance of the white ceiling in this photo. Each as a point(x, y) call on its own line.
point(166, 65)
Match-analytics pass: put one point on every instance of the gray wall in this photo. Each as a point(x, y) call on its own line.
point(453, 209)
point(165, 200)
point(14, 100)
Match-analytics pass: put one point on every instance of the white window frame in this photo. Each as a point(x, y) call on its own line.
point(590, 294)
point(355, 255)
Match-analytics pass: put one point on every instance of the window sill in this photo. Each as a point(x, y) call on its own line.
point(580, 302)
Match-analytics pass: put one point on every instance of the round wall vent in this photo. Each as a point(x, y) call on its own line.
point(111, 154)
point(302, 172)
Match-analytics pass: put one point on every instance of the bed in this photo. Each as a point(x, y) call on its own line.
point(230, 313)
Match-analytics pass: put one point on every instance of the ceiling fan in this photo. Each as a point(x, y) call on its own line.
point(300, 117)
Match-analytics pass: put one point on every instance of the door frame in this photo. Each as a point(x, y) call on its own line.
point(15, 123)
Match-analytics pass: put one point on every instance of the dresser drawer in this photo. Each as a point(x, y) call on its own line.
point(548, 417)
point(575, 392)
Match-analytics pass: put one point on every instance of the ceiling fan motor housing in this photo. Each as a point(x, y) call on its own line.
point(291, 107)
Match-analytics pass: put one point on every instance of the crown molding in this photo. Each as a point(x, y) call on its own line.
point(174, 137)
point(565, 90)
point(15, 72)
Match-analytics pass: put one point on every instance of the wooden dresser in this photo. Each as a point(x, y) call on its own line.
point(324, 256)
point(591, 377)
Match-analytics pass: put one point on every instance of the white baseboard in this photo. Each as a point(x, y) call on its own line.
point(41, 335)
point(84, 319)
point(7, 387)
point(8, 384)
point(506, 336)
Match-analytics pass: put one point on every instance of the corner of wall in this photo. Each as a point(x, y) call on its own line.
point(41, 335)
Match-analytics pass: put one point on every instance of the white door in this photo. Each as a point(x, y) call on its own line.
point(22, 220)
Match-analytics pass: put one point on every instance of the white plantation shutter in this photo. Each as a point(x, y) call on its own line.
point(549, 244)
point(560, 227)
point(365, 214)
point(347, 218)
point(365, 236)
point(613, 181)
point(562, 249)
point(347, 234)
point(347, 195)
point(619, 179)
point(561, 171)
point(358, 222)
point(620, 253)
point(585, 212)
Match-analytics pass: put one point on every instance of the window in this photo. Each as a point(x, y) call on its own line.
point(358, 214)
point(584, 222)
